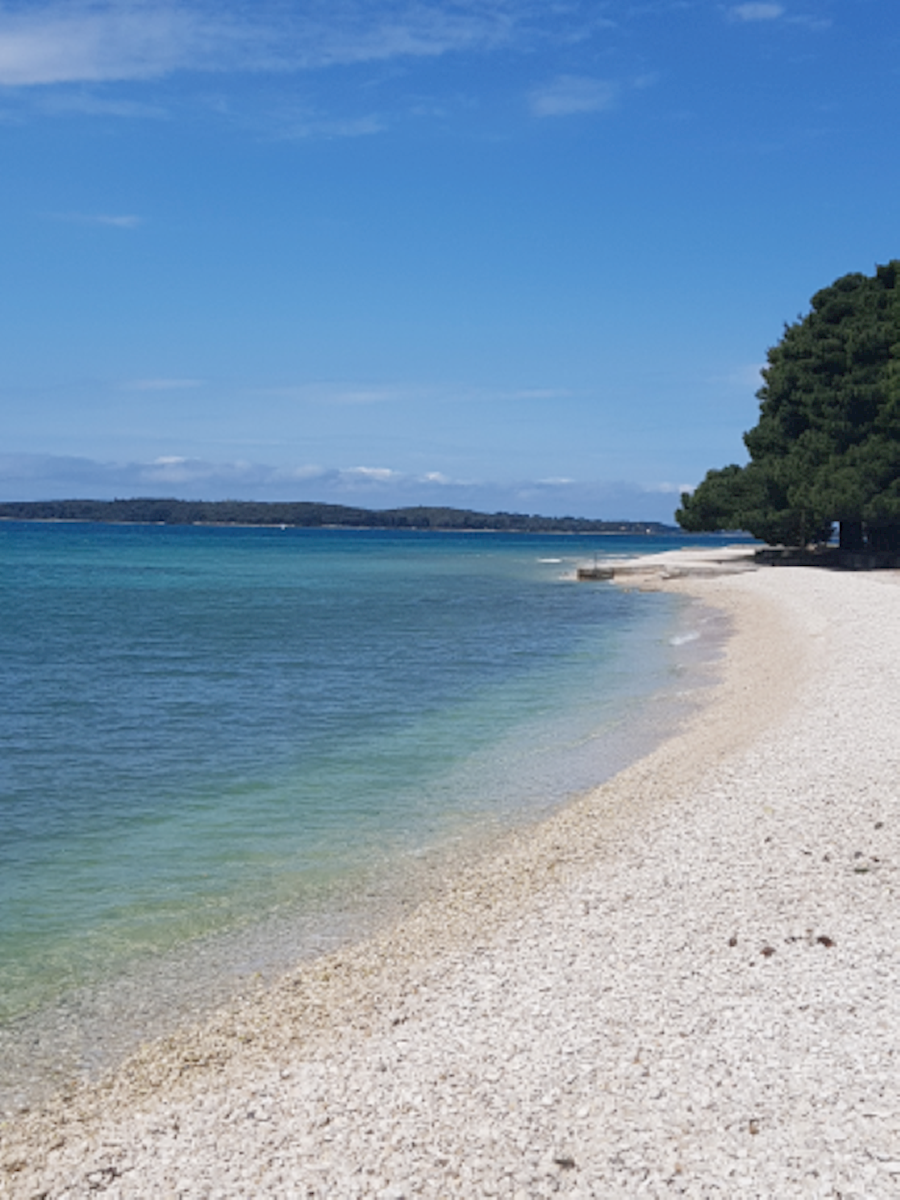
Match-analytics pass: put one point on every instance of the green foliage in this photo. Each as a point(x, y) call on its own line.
point(826, 447)
point(757, 498)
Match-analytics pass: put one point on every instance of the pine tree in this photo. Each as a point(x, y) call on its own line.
point(826, 447)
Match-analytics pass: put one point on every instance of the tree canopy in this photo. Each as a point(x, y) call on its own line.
point(826, 447)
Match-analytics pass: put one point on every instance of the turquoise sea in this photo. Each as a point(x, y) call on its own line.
point(224, 749)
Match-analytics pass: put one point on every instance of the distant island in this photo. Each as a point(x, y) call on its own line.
point(309, 515)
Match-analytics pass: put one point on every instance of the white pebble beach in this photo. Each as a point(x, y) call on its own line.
point(687, 982)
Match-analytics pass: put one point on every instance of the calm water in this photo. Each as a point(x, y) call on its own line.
point(222, 749)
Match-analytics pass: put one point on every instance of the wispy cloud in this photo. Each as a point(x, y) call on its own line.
point(310, 126)
point(104, 40)
point(339, 393)
point(534, 393)
point(355, 31)
point(756, 12)
point(114, 221)
point(370, 475)
point(670, 489)
point(72, 57)
point(84, 104)
point(57, 43)
point(748, 375)
point(161, 385)
point(570, 94)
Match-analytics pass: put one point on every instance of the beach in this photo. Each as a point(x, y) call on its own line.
point(686, 982)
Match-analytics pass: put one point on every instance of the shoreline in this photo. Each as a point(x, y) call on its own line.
point(478, 1004)
point(94, 1028)
point(641, 530)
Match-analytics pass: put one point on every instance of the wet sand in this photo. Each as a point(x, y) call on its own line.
point(684, 983)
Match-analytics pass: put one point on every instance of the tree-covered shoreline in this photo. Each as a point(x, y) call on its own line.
point(309, 515)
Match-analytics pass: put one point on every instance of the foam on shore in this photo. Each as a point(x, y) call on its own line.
point(687, 981)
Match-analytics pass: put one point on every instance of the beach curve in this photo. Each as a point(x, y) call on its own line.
point(683, 983)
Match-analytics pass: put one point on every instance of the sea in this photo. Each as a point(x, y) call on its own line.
point(224, 750)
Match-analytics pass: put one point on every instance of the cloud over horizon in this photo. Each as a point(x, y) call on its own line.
point(56, 477)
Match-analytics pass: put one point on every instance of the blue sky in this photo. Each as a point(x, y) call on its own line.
point(484, 253)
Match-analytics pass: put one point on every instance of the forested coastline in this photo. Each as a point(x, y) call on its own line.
point(307, 515)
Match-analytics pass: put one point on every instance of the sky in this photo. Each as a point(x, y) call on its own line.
point(494, 254)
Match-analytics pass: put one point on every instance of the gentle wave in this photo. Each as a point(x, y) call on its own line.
point(682, 639)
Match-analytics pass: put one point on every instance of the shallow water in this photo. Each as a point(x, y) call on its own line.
point(224, 749)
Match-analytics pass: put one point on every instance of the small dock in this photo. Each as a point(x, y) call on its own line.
point(596, 572)
point(672, 564)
